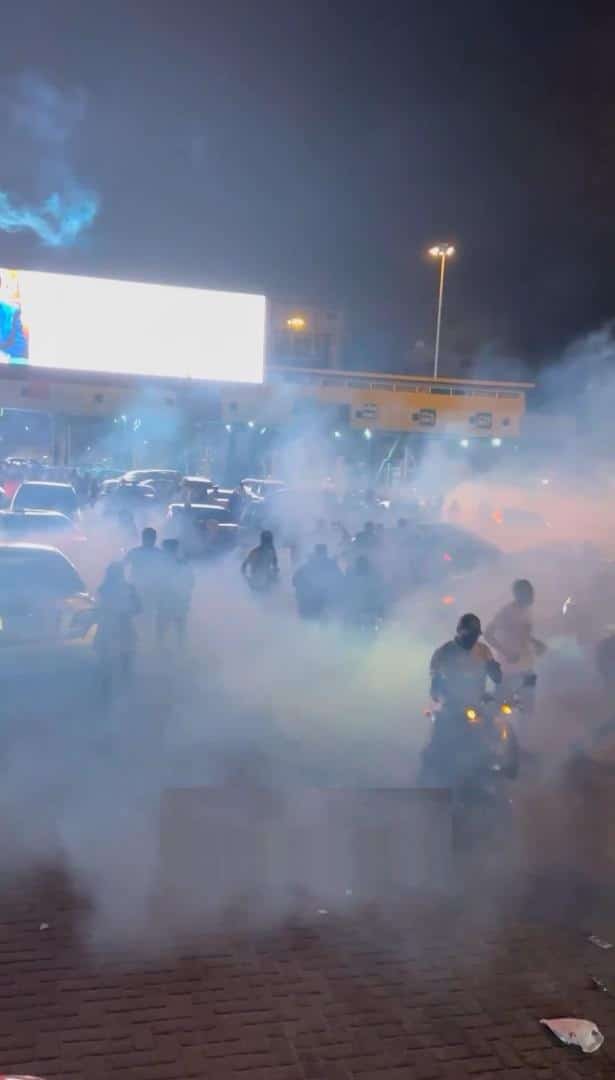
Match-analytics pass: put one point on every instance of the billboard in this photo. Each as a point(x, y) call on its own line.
point(125, 327)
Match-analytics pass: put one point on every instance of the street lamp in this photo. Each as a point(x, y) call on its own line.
point(441, 252)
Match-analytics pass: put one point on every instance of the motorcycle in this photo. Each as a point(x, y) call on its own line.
point(473, 751)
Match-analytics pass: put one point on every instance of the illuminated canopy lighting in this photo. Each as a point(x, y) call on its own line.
point(296, 322)
point(442, 251)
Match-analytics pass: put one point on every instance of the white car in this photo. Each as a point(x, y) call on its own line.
point(46, 495)
point(43, 600)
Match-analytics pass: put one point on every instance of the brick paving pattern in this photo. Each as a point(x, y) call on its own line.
point(429, 993)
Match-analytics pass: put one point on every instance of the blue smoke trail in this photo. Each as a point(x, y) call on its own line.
point(57, 222)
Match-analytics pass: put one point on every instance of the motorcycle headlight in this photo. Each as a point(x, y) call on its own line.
point(506, 709)
point(472, 716)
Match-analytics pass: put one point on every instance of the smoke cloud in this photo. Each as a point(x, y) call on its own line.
point(261, 699)
point(42, 123)
point(58, 222)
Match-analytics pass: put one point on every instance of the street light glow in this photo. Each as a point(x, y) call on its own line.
point(442, 251)
point(465, 443)
point(496, 442)
point(337, 434)
point(367, 433)
point(296, 322)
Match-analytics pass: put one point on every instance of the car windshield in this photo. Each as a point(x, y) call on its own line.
point(33, 496)
point(197, 488)
point(37, 570)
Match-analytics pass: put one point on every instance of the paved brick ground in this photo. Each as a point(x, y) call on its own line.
point(426, 994)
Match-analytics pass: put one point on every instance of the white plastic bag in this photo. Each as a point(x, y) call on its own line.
point(581, 1033)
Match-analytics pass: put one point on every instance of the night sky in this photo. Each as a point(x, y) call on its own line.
point(314, 150)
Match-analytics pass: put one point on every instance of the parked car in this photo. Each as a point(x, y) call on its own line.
point(261, 488)
point(198, 489)
point(189, 524)
point(134, 477)
point(133, 497)
point(46, 495)
point(43, 600)
point(23, 524)
point(137, 476)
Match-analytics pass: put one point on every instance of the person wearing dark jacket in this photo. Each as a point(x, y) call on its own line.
point(260, 568)
point(318, 585)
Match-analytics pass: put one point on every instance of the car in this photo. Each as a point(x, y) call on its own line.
point(46, 495)
point(197, 513)
point(198, 489)
point(188, 524)
point(137, 476)
point(46, 527)
point(261, 488)
point(125, 497)
point(21, 524)
point(162, 489)
point(43, 600)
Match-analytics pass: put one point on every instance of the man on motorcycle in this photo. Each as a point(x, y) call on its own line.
point(459, 669)
point(459, 672)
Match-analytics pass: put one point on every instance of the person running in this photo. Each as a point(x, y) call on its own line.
point(177, 584)
point(145, 566)
point(261, 568)
point(318, 585)
point(510, 634)
point(115, 640)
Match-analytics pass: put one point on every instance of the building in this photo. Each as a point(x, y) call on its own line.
point(304, 337)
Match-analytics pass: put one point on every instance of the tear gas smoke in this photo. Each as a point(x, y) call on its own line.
point(262, 699)
point(41, 122)
point(58, 222)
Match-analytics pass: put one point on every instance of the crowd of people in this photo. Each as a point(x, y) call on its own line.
point(322, 590)
point(354, 580)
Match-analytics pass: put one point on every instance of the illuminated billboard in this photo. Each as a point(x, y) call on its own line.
point(101, 325)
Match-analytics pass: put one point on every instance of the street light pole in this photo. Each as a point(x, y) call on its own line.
point(441, 252)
